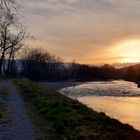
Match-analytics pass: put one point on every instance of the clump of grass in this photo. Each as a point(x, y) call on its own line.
point(72, 120)
point(3, 113)
point(3, 92)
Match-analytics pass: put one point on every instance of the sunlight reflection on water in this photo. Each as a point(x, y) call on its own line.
point(125, 109)
point(110, 88)
point(113, 98)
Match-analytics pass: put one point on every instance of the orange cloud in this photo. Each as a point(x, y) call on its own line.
point(88, 31)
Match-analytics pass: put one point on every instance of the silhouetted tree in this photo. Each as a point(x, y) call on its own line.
point(12, 34)
point(10, 42)
point(41, 65)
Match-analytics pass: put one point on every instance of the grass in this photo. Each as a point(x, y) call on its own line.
point(3, 92)
point(69, 119)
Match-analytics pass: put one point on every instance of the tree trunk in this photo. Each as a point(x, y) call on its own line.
point(9, 63)
point(1, 62)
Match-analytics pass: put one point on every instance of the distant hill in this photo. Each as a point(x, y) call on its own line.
point(121, 65)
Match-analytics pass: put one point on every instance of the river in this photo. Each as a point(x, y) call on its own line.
point(118, 99)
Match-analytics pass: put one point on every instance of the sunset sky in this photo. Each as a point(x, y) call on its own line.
point(88, 31)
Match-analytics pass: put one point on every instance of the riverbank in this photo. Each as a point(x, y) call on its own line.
point(59, 85)
point(65, 84)
point(69, 119)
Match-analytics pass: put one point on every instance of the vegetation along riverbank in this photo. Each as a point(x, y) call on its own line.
point(60, 117)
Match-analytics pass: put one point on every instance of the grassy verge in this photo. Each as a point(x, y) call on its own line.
point(68, 119)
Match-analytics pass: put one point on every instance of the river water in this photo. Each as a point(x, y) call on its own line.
point(118, 99)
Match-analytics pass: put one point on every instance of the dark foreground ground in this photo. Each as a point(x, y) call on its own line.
point(60, 118)
point(15, 124)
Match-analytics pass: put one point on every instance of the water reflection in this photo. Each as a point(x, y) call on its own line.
point(112, 88)
point(118, 99)
point(125, 109)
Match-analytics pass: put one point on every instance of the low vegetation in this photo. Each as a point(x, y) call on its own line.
point(69, 119)
point(39, 65)
point(3, 92)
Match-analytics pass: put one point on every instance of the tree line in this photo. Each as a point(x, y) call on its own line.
point(37, 64)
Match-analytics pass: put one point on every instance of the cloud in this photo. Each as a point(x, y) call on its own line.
point(71, 27)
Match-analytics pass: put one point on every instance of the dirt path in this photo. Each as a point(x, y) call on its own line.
point(19, 126)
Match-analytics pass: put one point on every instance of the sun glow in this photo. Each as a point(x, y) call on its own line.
point(128, 51)
point(133, 60)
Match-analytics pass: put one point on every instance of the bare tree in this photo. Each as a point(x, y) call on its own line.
point(12, 32)
point(41, 65)
point(9, 5)
point(10, 39)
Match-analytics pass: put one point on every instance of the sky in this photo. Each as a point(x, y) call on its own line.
point(86, 31)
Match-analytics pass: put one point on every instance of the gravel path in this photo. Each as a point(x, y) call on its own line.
point(19, 126)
